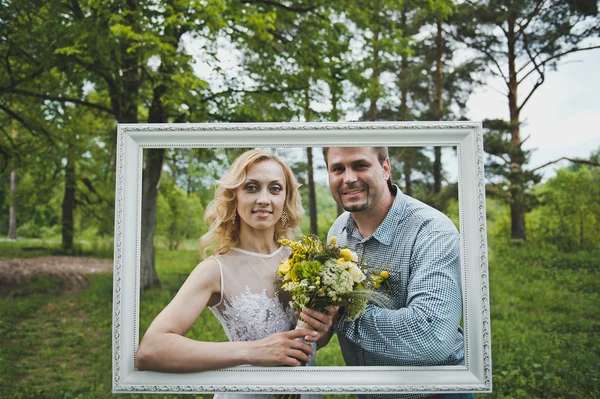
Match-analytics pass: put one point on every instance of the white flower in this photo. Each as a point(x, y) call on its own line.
point(345, 283)
point(356, 273)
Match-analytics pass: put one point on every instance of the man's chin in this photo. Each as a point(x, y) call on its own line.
point(355, 207)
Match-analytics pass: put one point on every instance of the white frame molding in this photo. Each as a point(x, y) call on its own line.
point(474, 376)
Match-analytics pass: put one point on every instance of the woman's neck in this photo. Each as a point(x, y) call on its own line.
point(261, 242)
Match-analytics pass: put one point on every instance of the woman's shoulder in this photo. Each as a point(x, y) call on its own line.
point(207, 270)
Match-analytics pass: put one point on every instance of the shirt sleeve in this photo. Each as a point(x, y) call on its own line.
point(422, 331)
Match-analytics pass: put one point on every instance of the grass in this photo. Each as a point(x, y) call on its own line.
point(34, 247)
point(544, 311)
point(545, 323)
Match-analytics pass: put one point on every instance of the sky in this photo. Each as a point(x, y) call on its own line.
point(562, 117)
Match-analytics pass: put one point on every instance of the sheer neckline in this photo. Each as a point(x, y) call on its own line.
point(258, 254)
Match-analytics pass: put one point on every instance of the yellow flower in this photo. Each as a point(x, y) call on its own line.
point(384, 274)
point(284, 267)
point(333, 240)
point(349, 255)
point(341, 261)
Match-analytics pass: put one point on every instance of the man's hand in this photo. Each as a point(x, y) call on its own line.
point(321, 322)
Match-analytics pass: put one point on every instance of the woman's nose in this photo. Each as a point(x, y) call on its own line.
point(263, 198)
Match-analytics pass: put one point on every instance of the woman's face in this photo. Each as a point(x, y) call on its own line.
point(261, 197)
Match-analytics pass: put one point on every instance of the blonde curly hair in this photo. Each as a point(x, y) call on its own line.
point(223, 234)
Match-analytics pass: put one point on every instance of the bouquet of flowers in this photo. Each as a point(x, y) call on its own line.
point(319, 274)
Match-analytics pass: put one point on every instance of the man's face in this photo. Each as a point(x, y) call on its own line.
point(356, 178)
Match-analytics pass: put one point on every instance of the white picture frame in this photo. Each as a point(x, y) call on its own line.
point(474, 376)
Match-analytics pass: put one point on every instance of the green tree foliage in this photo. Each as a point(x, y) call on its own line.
point(179, 215)
point(130, 52)
point(38, 204)
point(73, 69)
point(569, 213)
point(384, 42)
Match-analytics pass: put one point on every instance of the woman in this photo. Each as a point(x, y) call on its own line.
point(257, 203)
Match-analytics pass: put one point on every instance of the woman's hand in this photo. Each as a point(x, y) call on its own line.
point(321, 322)
point(282, 349)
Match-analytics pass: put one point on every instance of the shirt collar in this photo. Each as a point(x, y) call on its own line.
point(387, 229)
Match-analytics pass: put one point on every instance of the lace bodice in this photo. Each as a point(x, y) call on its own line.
point(250, 307)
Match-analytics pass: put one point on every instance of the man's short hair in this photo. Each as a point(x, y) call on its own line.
point(382, 154)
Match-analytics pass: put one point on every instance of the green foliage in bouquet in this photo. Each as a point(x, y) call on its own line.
point(319, 274)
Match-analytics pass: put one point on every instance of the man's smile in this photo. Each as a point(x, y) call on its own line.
point(352, 193)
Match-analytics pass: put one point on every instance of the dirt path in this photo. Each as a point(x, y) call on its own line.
point(70, 269)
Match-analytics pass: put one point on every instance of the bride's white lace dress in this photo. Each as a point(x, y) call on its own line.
point(250, 307)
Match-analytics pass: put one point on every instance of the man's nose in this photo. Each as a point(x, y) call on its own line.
point(349, 176)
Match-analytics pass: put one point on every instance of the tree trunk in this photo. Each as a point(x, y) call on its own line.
point(312, 195)
point(372, 114)
point(150, 181)
point(439, 106)
point(403, 110)
point(407, 170)
point(437, 170)
point(581, 229)
point(518, 207)
point(12, 213)
point(335, 116)
point(517, 217)
point(404, 113)
point(68, 204)
point(334, 88)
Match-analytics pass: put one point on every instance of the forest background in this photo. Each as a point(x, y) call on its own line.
point(71, 70)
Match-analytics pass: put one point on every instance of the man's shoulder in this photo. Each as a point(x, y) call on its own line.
point(427, 216)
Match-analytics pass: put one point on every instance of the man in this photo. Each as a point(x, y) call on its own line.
point(419, 246)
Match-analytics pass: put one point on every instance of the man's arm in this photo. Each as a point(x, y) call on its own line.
point(421, 332)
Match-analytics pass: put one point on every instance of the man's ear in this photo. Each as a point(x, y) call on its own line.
point(387, 169)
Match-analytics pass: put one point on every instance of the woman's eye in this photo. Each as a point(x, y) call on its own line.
point(251, 187)
point(277, 189)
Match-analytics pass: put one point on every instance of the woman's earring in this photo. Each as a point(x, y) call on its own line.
point(233, 218)
point(284, 218)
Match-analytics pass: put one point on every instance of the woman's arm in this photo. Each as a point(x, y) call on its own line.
point(164, 348)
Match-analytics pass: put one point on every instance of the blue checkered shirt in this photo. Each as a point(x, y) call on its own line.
point(419, 246)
